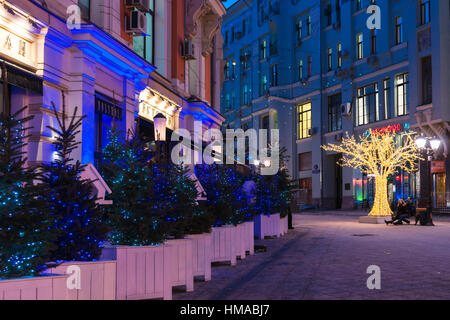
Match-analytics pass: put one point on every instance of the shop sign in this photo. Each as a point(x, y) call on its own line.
point(14, 46)
point(394, 128)
point(438, 166)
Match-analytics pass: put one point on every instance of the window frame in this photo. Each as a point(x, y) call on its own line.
point(304, 120)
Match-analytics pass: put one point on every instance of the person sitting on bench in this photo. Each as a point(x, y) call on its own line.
point(401, 215)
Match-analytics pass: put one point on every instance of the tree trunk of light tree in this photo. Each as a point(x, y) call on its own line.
point(381, 204)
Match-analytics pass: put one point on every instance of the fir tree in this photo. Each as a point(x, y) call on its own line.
point(24, 224)
point(225, 198)
point(137, 191)
point(77, 217)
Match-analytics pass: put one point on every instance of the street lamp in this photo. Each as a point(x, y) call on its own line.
point(429, 146)
point(160, 124)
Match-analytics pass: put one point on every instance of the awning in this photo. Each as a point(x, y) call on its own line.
point(22, 78)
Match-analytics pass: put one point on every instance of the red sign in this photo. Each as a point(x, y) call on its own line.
point(389, 129)
point(438, 166)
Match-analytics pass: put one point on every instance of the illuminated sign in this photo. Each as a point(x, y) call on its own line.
point(14, 46)
point(438, 166)
point(394, 128)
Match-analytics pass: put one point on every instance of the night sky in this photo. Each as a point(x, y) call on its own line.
point(229, 3)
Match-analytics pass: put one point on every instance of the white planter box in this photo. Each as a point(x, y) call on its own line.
point(181, 263)
point(201, 255)
point(223, 244)
point(142, 272)
point(89, 280)
point(51, 287)
point(240, 237)
point(267, 226)
point(284, 225)
point(249, 240)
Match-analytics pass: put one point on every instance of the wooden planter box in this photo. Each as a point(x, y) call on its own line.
point(284, 225)
point(97, 279)
point(223, 244)
point(201, 255)
point(240, 237)
point(249, 239)
point(181, 263)
point(267, 226)
point(142, 272)
point(49, 287)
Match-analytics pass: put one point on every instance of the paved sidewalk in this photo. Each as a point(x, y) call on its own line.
point(326, 257)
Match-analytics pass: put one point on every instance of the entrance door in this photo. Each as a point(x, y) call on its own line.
point(305, 186)
point(439, 190)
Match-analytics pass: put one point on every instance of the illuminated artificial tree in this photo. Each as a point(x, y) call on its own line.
point(379, 155)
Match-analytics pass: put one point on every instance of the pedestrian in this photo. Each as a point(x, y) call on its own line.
point(401, 215)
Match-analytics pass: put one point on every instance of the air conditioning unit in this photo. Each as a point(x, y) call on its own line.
point(337, 26)
point(137, 4)
point(346, 109)
point(339, 72)
point(136, 23)
point(312, 131)
point(187, 51)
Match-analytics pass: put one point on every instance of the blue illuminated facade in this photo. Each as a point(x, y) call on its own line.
point(315, 71)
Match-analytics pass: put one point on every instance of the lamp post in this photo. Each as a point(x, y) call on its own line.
point(160, 124)
point(429, 146)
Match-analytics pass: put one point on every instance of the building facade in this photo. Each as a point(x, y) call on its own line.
point(117, 62)
point(317, 70)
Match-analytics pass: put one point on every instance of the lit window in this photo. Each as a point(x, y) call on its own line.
point(401, 94)
point(367, 106)
point(424, 11)
point(359, 46)
point(398, 30)
point(304, 120)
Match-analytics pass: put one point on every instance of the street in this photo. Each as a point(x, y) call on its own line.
point(326, 257)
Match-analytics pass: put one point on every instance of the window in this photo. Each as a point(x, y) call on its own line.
point(427, 81)
point(245, 97)
point(264, 84)
point(107, 111)
point(305, 161)
point(233, 100)
point(367, 105)
point(226, 38)
point(227, 102)
point(299, 27)
point(265, 124)
point(401, 94)
point(244, 27)
point(144, 45)
point(300, 69)
point(328, 15)
point(304, 120)
point(387, 97)
point(309, 66)
point(373, 41)
point(85, 9)
point(334, 112)
point(245, 59)
point(339, 55)
point(424, 11)
point(226, 70)
point(330, 59)
point(338, 12)
point(274, 79)
point(232, 34)
point(359, 46)
point(398, 30)
point(263, 49)
point(233, 69)
point(358, 5)
point(308, 25)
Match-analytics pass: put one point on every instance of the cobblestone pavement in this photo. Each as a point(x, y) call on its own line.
point(326, 257)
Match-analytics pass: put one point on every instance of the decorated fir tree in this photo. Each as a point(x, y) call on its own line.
point(69, 198)
point(25, 238)
point(138, 191)
point(285, 186)
point(225, 198)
